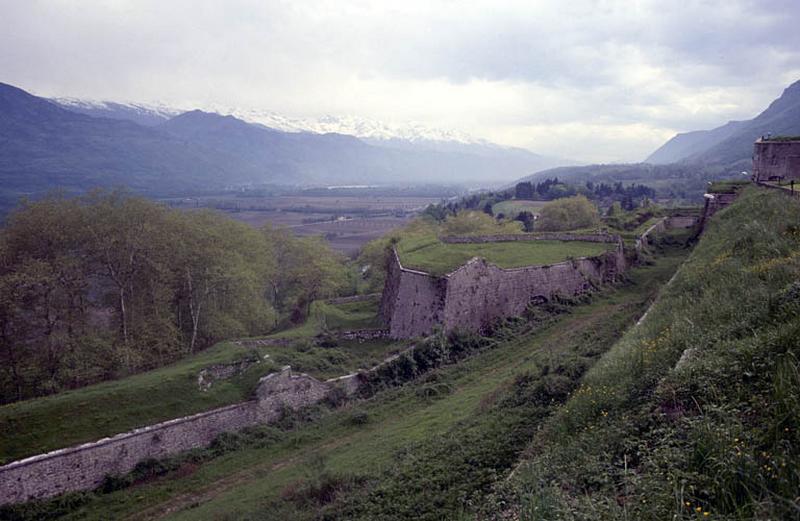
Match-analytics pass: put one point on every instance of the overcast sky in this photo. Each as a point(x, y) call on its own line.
point(590, 80)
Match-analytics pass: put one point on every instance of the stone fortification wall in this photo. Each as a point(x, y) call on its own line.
point(776, 160)
point(479, 292)
point(85, 466)
point(414, 303)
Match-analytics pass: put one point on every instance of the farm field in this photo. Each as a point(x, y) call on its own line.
point(435, 257)
point(346, 222)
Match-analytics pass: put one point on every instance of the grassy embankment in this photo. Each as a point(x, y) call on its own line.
point(420, 450)
point(715, 436)
point(43, 424)
point(427, 253)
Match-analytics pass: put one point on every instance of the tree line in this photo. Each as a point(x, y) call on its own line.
point(109, 284)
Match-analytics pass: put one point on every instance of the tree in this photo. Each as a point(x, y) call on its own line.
point(568, 214)
point(527, 220)
point(523, 190)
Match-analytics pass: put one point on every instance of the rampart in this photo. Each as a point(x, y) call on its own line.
point(84, 467)
point(414, 303)
point(775, 159)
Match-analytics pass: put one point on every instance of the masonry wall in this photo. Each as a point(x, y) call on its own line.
point(412, 301)
point(85, 466)
point(479, 292)
point(471, 297)
point(776, 159)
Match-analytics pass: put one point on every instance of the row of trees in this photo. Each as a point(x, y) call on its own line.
point(110, 284)
point(551, 189)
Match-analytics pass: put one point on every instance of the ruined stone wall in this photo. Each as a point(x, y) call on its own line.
point(776, 160)
point(85, 466)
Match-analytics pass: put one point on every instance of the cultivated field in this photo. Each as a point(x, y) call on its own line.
point(347, 222)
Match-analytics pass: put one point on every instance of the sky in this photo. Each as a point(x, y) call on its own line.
point(589, 80)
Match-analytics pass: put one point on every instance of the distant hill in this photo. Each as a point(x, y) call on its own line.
point(689, 143)
point(43, 146)
point(732, 144)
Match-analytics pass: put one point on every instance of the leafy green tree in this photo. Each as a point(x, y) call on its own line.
point(568, 213)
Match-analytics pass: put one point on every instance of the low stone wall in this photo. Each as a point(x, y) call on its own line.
point(207, 376)
point(414, 303)
point(85, 466)
point(362, 335)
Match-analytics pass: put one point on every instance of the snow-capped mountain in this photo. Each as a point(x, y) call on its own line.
point(356, 126)
point(143, 114)
point(401, 140)
point(369, 129)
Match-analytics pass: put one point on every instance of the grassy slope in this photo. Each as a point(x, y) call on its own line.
point(716, 438)
point(43, 424)
point(249, 483)
point(439, 258)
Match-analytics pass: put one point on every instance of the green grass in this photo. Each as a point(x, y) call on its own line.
point(645, 439)
point(433, 256)
point(728, 185)
point(351, 315)
point(39, 425)
point(512, 207)
point(250, 483)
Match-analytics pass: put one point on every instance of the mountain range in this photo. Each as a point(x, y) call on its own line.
point(681, 168)
point(47, 144)
point(732, 144)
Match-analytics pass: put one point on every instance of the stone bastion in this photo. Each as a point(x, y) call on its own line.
point(471, 297)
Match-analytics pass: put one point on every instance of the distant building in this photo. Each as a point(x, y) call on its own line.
point(776, 159)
